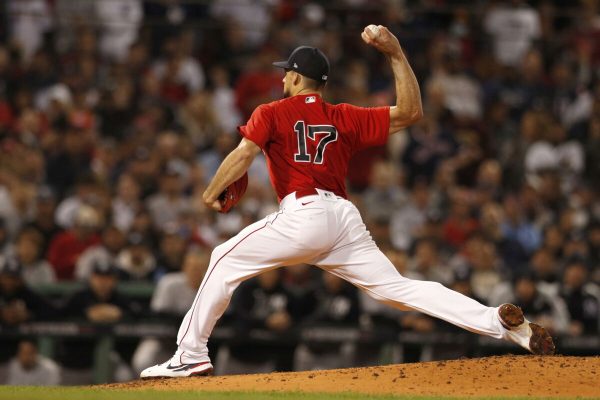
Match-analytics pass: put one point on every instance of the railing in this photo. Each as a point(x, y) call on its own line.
point(105, 337)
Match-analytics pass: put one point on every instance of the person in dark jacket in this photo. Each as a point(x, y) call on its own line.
point(582, 299)
point(262, 303)
point(98, 303)
point(336, 305)
point(18, 303)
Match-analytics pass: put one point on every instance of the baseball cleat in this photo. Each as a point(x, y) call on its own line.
point(533, 337)
point(170, 369)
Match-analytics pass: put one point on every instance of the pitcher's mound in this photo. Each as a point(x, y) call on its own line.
point(490, 376)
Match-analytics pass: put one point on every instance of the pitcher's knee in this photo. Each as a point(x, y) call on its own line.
point(217, 253)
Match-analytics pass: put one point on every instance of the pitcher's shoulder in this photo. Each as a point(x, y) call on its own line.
point(280, 103)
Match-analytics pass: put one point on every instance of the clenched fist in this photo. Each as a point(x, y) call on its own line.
point(382, 39)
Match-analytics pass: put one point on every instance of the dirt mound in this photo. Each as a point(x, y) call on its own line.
point(490, 376)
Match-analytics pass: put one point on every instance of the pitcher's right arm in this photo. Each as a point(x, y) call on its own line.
point(408, 108)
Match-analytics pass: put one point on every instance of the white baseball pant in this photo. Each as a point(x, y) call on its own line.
point(326, 231)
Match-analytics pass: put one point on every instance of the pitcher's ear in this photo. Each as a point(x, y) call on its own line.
point(297, 78)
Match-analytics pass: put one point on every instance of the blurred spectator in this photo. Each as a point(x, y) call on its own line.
point(119, 21)
point(66, 247)
point(43, 220)
point(554, 153)
point(29, 368)
point(407, 221)
point(582, 298)
point(28, 253)
point(6, 245)
point(172, 298)
point(70, 16)
point(126, 203)
point(199, 117)
point(166, 205)
point(262, 303)
point(592, 145)
point(180, 74)
point(553, 240)
point(384, 195)
point(99, 303)
point(593, 234)
point(10, 191)
point(538, 306)
point(460, 222)
point(86, 193)
point(253, 17)
point(223, 100)
point(461, 283)
point(171, 252)
point(428, 145)
point(512, 253)
point(260, 84)
point(478, 259)
point(489, 182)
point(70, 160)
point(112, 242)
point(545, 266)
point(30, 20)
point(515, 226)
point(18, 303)
point(426, 262)
point(572, 102)
point(335, 305)
point(136, 261)
point(514, 27)
point(461, 93)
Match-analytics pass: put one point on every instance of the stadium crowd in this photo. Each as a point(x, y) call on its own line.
point(114, 115)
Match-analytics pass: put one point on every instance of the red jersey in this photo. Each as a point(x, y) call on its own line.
point(308, 143)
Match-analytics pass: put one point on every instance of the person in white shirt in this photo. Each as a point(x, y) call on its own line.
point(29, 21)
point(513, 28)
point(31, 369)
point(28, 251)
point(113, 241)
point(120, 21)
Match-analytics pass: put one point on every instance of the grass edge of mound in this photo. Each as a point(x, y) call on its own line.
point(98, 393)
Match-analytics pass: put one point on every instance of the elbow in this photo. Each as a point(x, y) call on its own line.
point(404, 119)
point(416, 115)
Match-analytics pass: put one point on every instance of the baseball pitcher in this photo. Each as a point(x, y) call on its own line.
point(308, 144)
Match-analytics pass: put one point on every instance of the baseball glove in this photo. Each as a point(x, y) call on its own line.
point(233, 193)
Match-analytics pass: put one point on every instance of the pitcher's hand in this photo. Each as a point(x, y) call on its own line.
point(382, 39)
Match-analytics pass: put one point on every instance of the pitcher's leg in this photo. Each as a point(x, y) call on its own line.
point(367, 267)
point(261, 246)
point(246, 255)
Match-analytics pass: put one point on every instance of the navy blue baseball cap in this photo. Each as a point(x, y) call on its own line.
point(307, 61)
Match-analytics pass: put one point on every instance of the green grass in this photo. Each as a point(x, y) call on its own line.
point(76, 393)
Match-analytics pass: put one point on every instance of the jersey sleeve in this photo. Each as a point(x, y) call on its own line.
point(371, 125)
point(259, 127)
